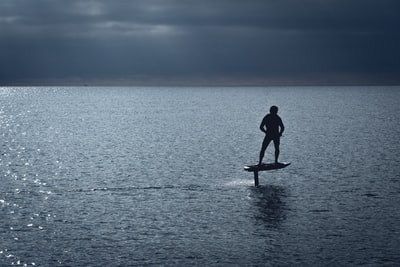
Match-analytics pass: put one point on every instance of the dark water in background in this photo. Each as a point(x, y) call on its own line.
point(154, 176)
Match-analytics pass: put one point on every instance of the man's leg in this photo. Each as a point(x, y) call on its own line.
point(276, 144)
point(263, 148)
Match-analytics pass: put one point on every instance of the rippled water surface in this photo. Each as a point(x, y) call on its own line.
point(154, 176)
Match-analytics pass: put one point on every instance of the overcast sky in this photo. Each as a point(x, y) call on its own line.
point(232, 41)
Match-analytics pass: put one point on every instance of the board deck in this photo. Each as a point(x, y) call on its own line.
point(266, 166)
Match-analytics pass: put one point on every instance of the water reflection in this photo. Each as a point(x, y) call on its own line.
point(269, 205)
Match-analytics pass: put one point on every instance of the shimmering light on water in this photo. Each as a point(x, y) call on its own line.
point(154, 176)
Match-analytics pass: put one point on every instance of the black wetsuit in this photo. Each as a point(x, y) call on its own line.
point(273, 127)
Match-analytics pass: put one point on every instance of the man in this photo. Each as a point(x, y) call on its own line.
point(273, 128)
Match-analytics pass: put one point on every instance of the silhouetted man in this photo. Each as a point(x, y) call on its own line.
point(273, 128)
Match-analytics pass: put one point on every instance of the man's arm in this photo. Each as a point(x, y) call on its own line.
point(282, 128)
point(262, 126)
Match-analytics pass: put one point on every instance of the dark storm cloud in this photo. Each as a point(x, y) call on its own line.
point(47, 39)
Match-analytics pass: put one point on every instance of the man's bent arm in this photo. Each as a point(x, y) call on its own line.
point(282, 129)
point(262, 127)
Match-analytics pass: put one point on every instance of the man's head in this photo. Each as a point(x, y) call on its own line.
point(273, 110)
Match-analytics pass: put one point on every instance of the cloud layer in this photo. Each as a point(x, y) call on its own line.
point(46, 40)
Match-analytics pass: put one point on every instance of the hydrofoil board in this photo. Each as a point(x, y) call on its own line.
point(266, 166)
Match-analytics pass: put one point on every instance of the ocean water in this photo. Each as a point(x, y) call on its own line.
point(143, 176)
